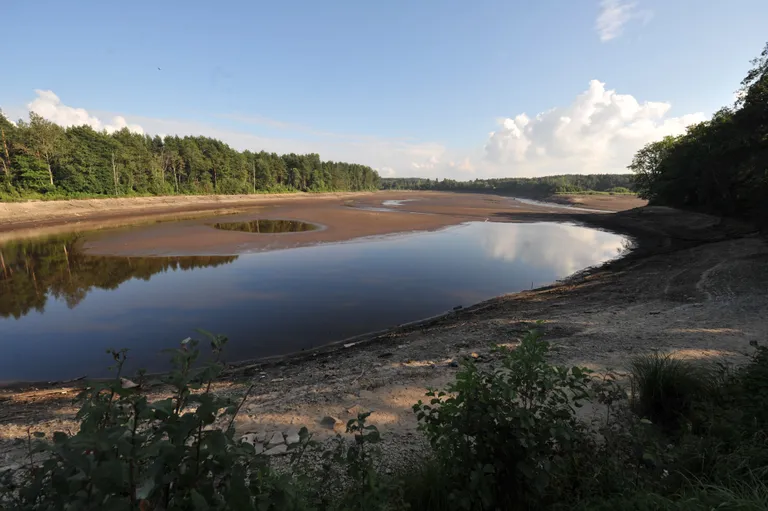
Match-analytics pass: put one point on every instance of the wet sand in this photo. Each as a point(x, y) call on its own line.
point(37, 218)
point(340, 219)
point(604, 202)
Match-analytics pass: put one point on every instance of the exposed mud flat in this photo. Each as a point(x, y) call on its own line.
point(694, 285)
point(341, 219)
point(350, 214)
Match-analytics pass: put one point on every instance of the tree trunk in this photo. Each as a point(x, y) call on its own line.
point(50, 172)
point(7, 157)
point(114, 172)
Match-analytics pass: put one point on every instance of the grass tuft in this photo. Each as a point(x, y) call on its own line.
point(665, 389)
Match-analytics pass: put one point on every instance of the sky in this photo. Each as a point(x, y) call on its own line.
point(429, 88)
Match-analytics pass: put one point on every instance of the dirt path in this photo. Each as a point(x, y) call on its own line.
point(694, 285)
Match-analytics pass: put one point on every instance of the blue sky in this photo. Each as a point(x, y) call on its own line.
point(430, 88)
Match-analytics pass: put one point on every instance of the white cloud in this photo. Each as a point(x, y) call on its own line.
point(614, 14)
point(48, 105)
point(396, 155)
point(431, 163)
point(598, 132)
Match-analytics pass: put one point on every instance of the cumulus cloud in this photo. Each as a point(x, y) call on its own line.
point(49, 106)
point(598, 132)
point(431, 163)
point(614, 14)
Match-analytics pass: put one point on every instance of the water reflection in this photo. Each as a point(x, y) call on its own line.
point(576, 247)
point(32, 271)
point(267, 226)
point(62, 308)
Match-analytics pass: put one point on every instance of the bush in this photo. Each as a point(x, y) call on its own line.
point(503, 437)
point(134, 454)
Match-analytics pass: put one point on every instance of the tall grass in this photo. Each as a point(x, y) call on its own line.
point(665, 389)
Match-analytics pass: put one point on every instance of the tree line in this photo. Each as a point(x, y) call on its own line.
point(31, 271)
point(39, 158)
point(718, 166)
point(535, 187)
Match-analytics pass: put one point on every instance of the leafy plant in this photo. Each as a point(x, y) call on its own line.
point(130, 453)
point(503, 436)
point(365, 488)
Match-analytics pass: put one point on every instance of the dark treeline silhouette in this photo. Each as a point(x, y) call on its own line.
point(719, 166)
point(33, 270)
point(40, 158)
point(524, 186)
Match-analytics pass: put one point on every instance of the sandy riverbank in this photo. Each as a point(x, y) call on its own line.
point(694, 285)
point(35, 218)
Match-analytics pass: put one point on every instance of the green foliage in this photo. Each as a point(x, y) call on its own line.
point(746, 496)
point(350, 473)
point(502, 435)
point(426, 486)
point(31, 174)
point(534, 187)
point(665, 389)
point(39, 159)
point(719, 166)
point(132, 453)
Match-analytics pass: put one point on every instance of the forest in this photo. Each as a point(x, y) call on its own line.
point(534, 187)
point(719, 166)
point(40, 159)
point(31, 271)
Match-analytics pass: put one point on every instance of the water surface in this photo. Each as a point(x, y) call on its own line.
point(60, 308)
point(267, 226)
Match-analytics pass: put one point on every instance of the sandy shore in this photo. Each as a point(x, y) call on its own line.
point(339, 219)
point(694, 285)
point(35, 218)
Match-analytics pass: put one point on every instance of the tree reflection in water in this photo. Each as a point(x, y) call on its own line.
point(31, 271)
point(267, 226)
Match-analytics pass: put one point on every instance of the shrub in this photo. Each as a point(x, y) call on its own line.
point(350, 477)
point(131, 453)
point(503, 437)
